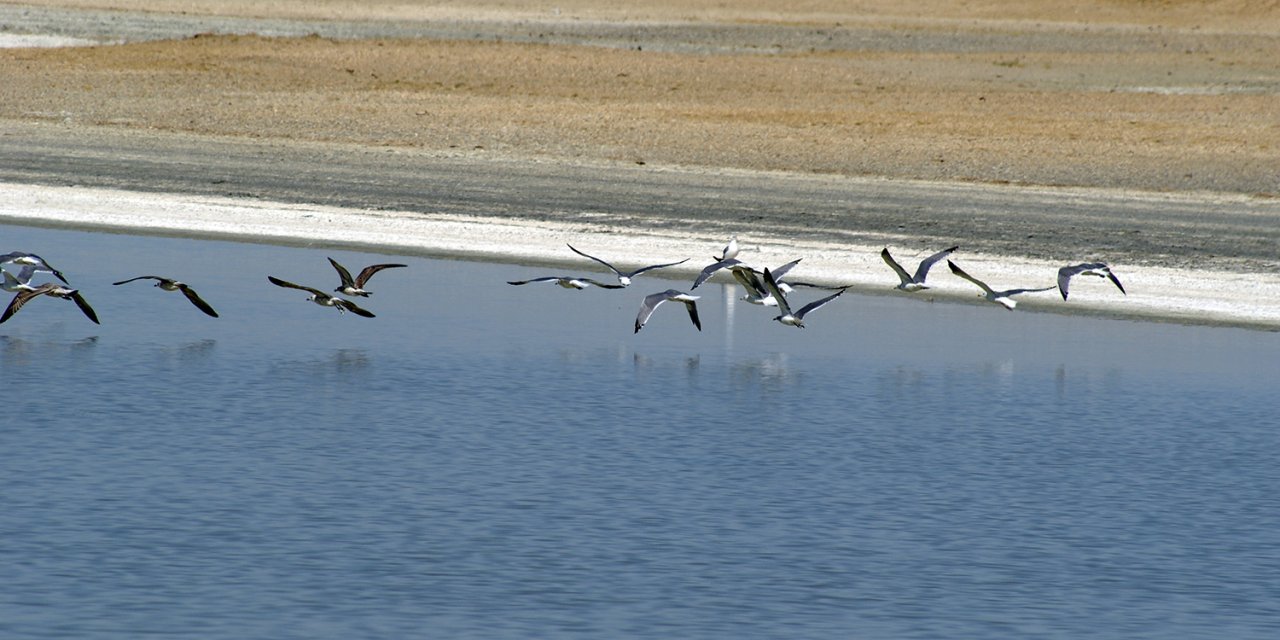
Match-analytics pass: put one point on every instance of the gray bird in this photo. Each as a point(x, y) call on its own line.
point(355, 286)
point(24, 258)
point(1002, 298)
point(914, 282)
point(653, 301)
point(788, 317)
point(1099, 269)
point(323, 299)
point(568, 282)
point(624, 277)
point(169, 284)
point(48, 289)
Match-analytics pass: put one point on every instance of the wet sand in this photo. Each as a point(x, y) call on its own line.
point(1123, 96)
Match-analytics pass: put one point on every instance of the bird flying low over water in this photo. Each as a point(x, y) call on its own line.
point(24, 258)
point(624, 277)
point(355, 287)
point(757, 293)
point(653, 301)
point(323, 299)
point(1099, 269)
point(1003, 298)
point(20, 282)
point(568, 282)
point(788, 317)
point(914, 282)
point(169, 284)
point(48, 289)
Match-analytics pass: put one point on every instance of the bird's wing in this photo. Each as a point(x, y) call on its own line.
point(1064, 278)
point(351, 306)
point(922, 271)
point(196, 300)
point(1014, 292)
point(24, 276)
point(1116, 281)
point(897, 268)
point(693, 313)
point(289, 285)
point(818, 303)
point(368, 272)
point(650, 303)
point(960, 272)
point(606, 264)
point(652, 267)
point(771, 285)
point(343, 274)
point(542, 279)
point(830, 287)
point(140, 278)
point(747, 278)
point(602, 285)
point(711, 269)
point(21, 298)
point(781, 272)
point(84, 306)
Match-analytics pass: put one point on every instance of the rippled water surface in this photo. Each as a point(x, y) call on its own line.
point(489, 461)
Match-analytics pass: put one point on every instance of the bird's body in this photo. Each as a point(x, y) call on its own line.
point(1002, 298)
point(730, 250)
point(48, 289)
point(653, 301)
point(33, 260)
point(568, 282)
point(914, 282)
point(787, 316)
point(169, 284)
point(323, 299)
point(355, 286)
point(756, 291)
point(1099, 269)
point(624, 277)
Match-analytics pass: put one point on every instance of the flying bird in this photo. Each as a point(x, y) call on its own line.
point(788, 317)
point(355, 287)
point(169, 284)
point(624, 277)
point(48, 289)
point(24, 258)
point(914, 282)
point(568, 282)
point(323, 299)
point(730, 250)
point(653, 301)
point(1099, 269)
point(757, 293)
point(1003, 298)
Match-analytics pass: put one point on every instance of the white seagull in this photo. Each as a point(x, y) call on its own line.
point(323, 299)
point(914, 282)
point(355, 286)
point(653, 301)
point(1003, 298)
point(1099, 269)
point(730, 250)
point(568, 282)
point(788, 317)
point(624, 277)
point(48, 289)
point(169, 284)
point(24, 258)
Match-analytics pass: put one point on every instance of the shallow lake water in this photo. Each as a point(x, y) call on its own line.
point(490, 461)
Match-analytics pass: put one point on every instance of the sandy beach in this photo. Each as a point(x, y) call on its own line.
point(1131, 100)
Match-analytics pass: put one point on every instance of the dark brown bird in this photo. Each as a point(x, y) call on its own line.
point(355, 286)
point(48, 289)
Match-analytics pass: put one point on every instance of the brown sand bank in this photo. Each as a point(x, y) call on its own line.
point(1051, 102)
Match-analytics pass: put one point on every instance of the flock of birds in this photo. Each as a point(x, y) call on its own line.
point(767, 287)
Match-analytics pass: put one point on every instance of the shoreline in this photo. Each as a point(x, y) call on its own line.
point(1211, 298)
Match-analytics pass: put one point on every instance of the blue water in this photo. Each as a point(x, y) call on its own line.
point(488, 461)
